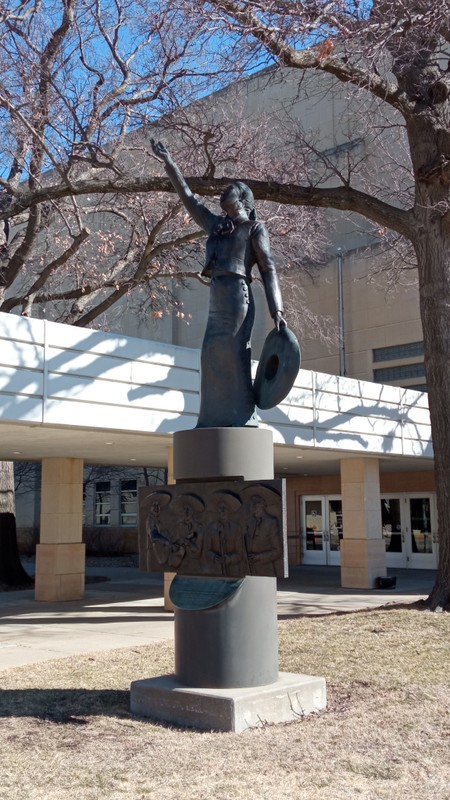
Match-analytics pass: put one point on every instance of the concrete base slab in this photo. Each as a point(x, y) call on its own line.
point(165, 699)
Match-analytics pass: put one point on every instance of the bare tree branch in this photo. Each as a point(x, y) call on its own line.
point(342, 198)
point(317, 58)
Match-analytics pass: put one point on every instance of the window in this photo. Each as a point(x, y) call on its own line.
point(398, 351)
point(420, 387)
point(128, 502)
point(84, 502)
point(103, 503)
point(388, 374)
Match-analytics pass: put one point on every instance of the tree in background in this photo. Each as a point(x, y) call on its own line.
point(77, 79)
point(82, 82)
point(396, 53)
point(86, 235)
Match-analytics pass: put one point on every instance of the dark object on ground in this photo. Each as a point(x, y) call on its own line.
point(12, 573)
point(387, 582)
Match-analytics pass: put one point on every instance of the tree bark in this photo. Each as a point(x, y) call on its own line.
point(434, 276)
point(12, 573)
point(432, 246)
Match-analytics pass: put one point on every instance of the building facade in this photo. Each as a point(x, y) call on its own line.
point(356, 455)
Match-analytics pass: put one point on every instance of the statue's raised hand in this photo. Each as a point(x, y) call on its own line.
point(159, 151)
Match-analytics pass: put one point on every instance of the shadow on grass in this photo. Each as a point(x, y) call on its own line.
point(64, 706)
point(73, 707)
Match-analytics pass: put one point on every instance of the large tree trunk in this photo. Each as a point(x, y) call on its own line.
point(434, 277)
point(429, 140)
point(12, 573)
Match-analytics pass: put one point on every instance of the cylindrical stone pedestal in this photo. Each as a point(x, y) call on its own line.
point(219, 454)
point(226, 644)
point(234, 643)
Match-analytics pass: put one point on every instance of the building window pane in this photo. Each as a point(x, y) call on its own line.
point(392, 526)
point(398, 351)
point(387, 374)
point(420, 387)
point(103, 503)
point(128, 502)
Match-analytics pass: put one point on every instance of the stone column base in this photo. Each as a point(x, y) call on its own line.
point(362, 562)
point(290, 697)
point(60, 572)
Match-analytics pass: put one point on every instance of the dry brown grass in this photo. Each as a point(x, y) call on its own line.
point(65, 729)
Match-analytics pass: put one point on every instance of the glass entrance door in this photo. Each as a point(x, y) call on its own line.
point(321, 530)
point(421, 532)
point(409, 531)
point(393, 532)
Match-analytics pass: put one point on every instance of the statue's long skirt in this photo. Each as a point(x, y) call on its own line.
point(226, 385)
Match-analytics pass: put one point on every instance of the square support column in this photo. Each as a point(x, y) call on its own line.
point(169, 576)
point(143, 540)
point(60, 555)
point(363, 552)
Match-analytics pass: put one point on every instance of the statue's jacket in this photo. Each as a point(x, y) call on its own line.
point(232, 248)
point(235, 248)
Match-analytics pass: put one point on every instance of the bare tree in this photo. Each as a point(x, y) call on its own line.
point(77, 78)
point(397, 53)
point(88, 226)
point(84, 224)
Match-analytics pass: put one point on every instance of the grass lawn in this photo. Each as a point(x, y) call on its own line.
point(66, 732)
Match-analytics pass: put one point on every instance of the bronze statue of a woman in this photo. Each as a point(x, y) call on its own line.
point(236, 242)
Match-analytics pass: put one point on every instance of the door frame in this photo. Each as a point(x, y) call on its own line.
point(420, 560)
point(407, 559)
point(324, 555)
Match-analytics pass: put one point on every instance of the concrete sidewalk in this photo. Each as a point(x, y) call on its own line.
point(125, 609)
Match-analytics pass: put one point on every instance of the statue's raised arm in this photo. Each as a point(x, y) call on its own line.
point(200, 214)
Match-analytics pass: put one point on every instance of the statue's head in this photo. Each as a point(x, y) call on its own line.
point(236, 196)
point(258, 505)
